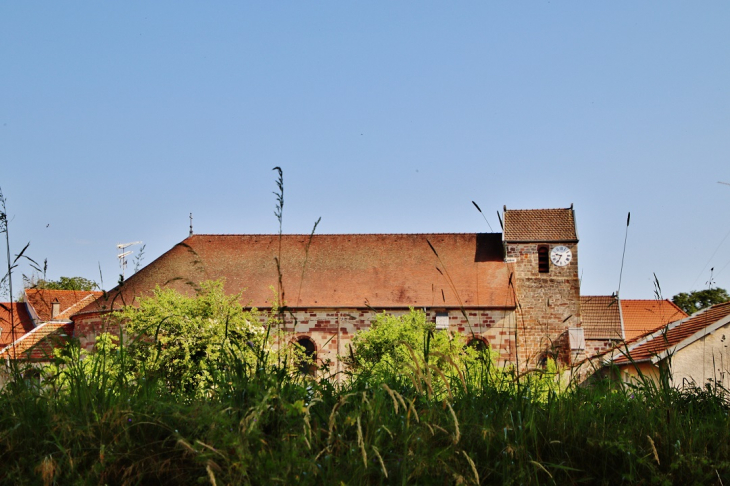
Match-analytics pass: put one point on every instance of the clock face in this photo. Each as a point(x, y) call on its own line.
point(561, 256)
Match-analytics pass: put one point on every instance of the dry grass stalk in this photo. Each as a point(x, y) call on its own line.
point(185, 445)
point(361, 443)
point(457, 432)
point(380, 459)
point(211, 475)
point(653, 448)
point(444, 379)
point(47, 469)
point(412, 409)
point(473, 467)
point(542, 467)
point(392, 395)
point(333, 414)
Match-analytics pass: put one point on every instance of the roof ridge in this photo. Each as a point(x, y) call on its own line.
point(347, 234)
point(68, 312)
point(540, 209)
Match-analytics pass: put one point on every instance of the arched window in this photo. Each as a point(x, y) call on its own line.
point(308, 366)
point(480, 345)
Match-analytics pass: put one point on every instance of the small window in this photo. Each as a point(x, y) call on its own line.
point(543, 259)
point(308, 366)
point(442, 321)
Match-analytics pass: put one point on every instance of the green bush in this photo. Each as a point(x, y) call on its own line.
point(185, 339)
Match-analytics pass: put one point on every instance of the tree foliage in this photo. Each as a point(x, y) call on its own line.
point(184, 338)
point(394, 344)
point(67, 283)
point(699, 299)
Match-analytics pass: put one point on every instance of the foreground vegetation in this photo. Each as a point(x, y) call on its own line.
point(221, 407)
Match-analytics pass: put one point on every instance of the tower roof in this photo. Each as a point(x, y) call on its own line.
point(540, 225)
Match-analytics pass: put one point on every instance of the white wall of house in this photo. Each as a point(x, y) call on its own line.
point(706, 359)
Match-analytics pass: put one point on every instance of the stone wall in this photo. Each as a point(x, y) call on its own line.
point(548, 303)
point(331, 330)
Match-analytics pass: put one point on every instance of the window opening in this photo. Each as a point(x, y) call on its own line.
point(442, 321)
point(543, 259)
point(307, 365)
point(479, 345)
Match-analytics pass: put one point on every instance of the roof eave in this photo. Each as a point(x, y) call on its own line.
point(705, 331)
point(541, 241)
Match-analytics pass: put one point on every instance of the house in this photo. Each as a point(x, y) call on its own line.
point(42, 322)
point(517, 290)
point(609, 320)
point(644, 316)
point(693, 349)
point(15, 321)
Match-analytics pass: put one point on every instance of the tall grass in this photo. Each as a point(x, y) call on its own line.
point(92, 422)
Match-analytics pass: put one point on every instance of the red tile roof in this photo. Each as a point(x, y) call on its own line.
point(42, 299)
point(667, 339)
point(540, 225)
point(22, 321)
point(643, 316)
point(601, 317)
point(380, 270)
point(38, 344)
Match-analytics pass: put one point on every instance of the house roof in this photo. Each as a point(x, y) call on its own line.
point(355, 270)
point(601, 317)
point(644, 316)
point(38, 344)
point(21, 318)
point(540, 225)
point(673, 337)
point(70, 301)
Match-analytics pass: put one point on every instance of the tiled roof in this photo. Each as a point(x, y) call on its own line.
point(540, 225)
point(601, 317)
point(666, 339)
point(21, 318)
point(644, 316)
point(38, 344)
point(42, 299)
point(379, 270)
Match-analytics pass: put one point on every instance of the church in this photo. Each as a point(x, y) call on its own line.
point(517, 291)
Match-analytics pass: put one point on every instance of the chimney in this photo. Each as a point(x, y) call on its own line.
point(55, 308)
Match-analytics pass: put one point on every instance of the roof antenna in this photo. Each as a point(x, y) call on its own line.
point(621, 274)
point(191, 225)
point(124, 254)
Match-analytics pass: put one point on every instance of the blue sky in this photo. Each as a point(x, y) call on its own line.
point(119, 119)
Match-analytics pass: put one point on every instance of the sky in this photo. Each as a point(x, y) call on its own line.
point(119, 119)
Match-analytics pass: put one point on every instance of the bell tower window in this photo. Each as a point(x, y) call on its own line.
point(543, 259)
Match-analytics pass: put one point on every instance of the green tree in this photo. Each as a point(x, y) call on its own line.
point(699, 299)
point(67, 283)
point(182, 339)
point(396, 344)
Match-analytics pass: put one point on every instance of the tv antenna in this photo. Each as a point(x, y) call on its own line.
point(124, 254)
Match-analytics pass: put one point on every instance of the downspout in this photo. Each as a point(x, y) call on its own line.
point(339, 348)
